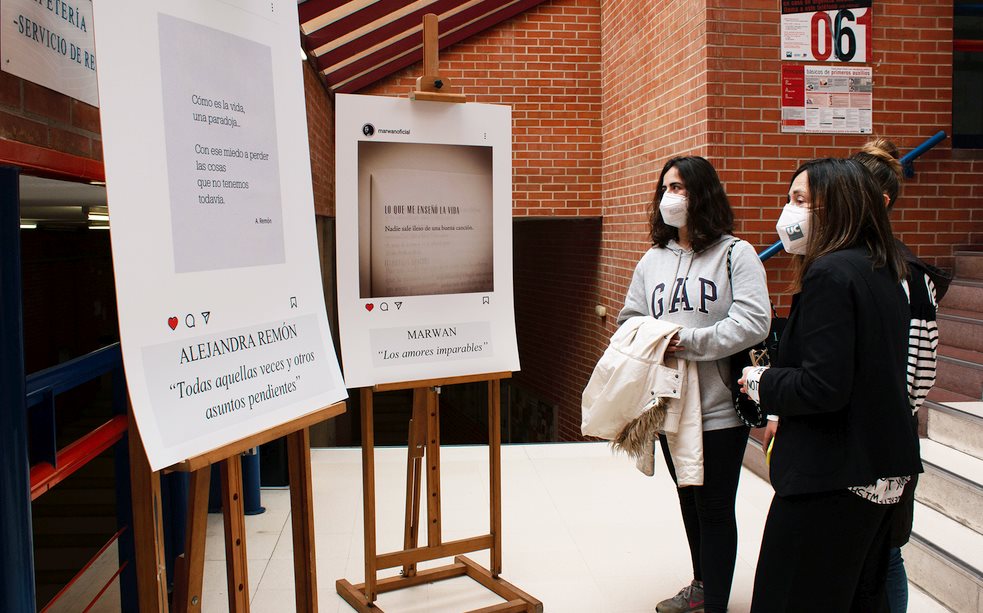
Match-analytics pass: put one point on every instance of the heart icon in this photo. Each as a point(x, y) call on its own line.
point(172, 322)
point(369, 307)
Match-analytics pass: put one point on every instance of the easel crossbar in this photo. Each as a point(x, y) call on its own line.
point(392, 584)
point(505, 607)
point(515, 599)
point(423, 554)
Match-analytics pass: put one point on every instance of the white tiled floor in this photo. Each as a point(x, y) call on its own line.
point(583, 531)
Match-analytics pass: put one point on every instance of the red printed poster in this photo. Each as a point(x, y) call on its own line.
point(793, 99)
point(827, 99)
point(832, 31)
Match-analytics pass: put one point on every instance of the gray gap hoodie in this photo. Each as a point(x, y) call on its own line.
point(694, 291)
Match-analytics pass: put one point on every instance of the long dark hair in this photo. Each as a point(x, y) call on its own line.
point(849, 211)
point(708, 213)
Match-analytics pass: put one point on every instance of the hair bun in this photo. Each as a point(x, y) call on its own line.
point(886, 152)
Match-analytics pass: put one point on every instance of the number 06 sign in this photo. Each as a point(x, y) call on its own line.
point(834, 31)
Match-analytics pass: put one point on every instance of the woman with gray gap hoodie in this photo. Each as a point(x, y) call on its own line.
point(684, 279)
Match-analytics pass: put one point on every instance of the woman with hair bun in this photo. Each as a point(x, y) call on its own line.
point(924, 287)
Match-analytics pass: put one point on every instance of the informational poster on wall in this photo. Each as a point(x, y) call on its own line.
point(827, 99)
point(50, 42)
point(424, 193)
point(827, 30)
point(208, 175)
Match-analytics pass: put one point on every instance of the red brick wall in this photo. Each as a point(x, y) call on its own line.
point(320, 135)
point(600, 100)
point(545, 64)
point(681, 79)
point(36, 115)
point(939, 209)
point(655, 107)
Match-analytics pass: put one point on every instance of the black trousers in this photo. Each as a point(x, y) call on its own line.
point(708, 513)
point(813, 551)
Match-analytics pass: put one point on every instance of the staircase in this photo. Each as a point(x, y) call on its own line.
point(945, 555)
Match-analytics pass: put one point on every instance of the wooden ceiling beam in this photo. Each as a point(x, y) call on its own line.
point(412, 41)
point(311, 12)
point(363, 43)
point(361, 18)
point(364, 72)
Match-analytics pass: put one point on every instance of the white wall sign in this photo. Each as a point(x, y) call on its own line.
point(827, 30)
point(49, 42)
point(208, 174)
point(424, 194)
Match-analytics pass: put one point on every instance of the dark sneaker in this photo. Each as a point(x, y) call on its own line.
point(688, 600)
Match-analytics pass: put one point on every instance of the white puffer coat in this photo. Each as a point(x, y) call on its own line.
point(634, 393)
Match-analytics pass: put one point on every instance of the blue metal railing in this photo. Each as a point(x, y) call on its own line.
point(908, 158)
point(906, 164)
point(71, 374)
point(16, 545)
point(27, 425)
point(43, 386)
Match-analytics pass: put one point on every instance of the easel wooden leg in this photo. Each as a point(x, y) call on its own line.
point(414, 468)
point(368, 494)
point(148, 528)
point(302, 518)
point(190, 566)
point(495, 475)
point(424, 440)
point(433, 469)
point(235, 535)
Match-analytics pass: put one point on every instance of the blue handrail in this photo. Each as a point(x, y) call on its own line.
point(908, 158)
point(63, 377)
point(909, 171)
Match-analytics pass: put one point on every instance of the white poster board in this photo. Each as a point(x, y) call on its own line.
point(424, 193)
point(50, 42)
point(222, 320)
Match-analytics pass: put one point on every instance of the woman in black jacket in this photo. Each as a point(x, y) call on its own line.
point(845, 447)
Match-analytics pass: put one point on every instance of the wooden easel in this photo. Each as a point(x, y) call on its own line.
point(431, 86)
point(424, 442)
point(148, 527)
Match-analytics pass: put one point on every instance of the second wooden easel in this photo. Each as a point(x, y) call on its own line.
point(424, 444)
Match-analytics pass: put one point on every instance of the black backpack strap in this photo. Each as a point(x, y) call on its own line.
point(730, 253)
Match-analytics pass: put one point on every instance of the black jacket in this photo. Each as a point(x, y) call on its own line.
point(839, 381)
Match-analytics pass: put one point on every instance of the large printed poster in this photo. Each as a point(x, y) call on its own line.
point(222, 320)
point(424, 239)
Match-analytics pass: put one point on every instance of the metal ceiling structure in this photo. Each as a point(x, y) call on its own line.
point(354, 43)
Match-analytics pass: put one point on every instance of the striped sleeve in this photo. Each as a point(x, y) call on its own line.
point(923, 342)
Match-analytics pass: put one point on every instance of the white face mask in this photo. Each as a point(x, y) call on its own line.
point(794, 226)
point(673, 209)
